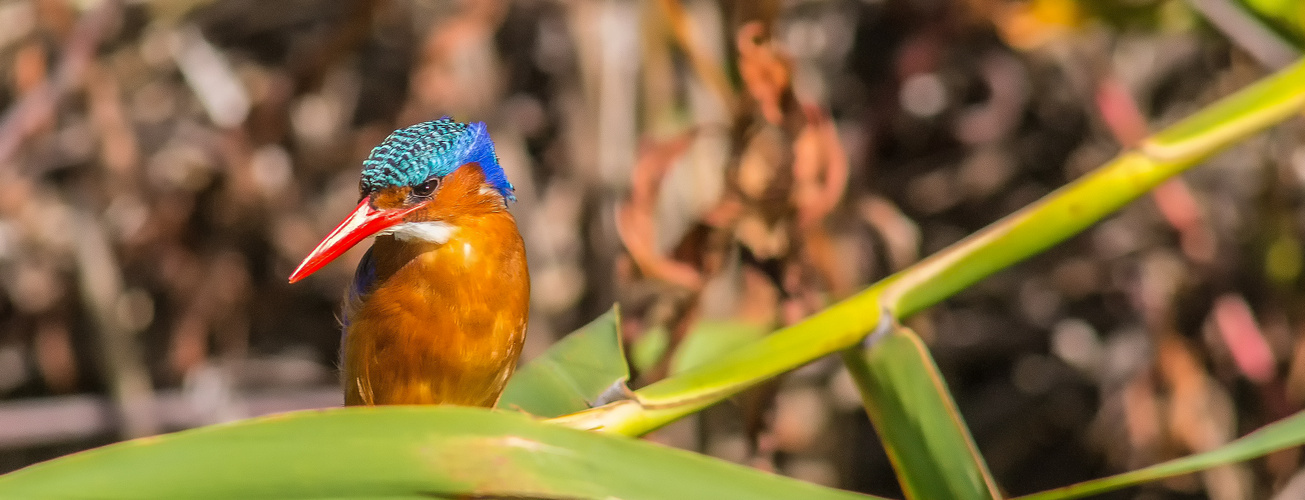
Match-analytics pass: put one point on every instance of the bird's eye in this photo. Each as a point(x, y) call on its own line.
point(426, 188)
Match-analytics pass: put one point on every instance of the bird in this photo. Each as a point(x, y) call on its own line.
point(438, 308)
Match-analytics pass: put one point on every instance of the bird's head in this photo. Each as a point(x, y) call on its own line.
point(416, 184)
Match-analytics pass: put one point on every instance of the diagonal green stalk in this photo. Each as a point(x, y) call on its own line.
point(1279, 435)
point(923, 433)
point(1056, 217)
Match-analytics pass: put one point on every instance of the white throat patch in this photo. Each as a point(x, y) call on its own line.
point(435, 232)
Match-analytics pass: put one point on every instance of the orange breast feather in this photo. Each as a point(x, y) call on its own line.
point(445, 322)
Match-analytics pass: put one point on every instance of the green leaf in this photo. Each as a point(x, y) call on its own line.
point(397, 452)
point(928, 443)
point(708, 340)
point(705, 341)
point(649, 348)
point(571, 374)
point(1287, 15)
point(1279, 435)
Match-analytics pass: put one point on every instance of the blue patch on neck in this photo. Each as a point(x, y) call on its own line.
point(411, 155)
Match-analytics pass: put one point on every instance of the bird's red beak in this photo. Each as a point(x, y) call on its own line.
point(363, 222)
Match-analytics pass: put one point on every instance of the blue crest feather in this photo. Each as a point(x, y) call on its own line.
point(411, 155)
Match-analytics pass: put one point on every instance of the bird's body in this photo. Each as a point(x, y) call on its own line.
point(437, 313)
point(445, 322)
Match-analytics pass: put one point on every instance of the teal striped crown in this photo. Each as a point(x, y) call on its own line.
point(413, 155)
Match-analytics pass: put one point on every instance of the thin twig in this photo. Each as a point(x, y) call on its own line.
point(710, 72)
point(1260, 42)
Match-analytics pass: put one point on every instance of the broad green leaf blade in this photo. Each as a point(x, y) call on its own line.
point(571, 374)
point(912, 411)
point(710, 339)
point(397, 452)
point(1279, 435)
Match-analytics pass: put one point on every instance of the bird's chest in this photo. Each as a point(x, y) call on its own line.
point(444, 326)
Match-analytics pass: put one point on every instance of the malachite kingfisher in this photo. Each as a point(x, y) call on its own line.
point(438, 307)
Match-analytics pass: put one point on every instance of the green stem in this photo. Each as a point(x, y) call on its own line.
point(1051, 220)
point(1280, 435)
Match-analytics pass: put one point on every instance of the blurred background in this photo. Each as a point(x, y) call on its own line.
point(165, 164)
